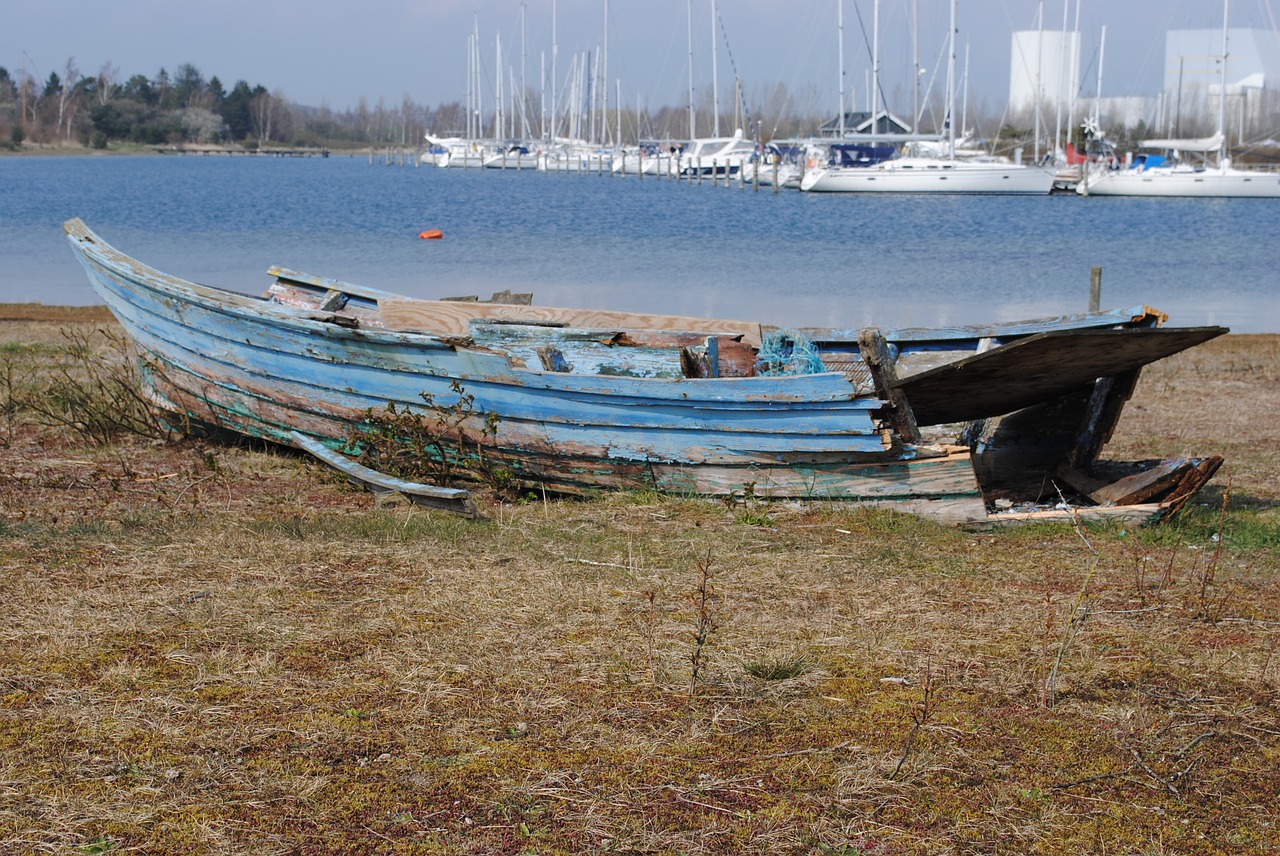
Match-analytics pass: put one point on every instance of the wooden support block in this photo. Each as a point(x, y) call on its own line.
point(1101, 415)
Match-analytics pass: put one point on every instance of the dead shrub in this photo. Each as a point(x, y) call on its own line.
point(91, 384)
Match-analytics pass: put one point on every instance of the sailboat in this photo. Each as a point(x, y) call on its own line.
point(1199, 167)
point(467, 150)
point(715, 155)
point(929, 174)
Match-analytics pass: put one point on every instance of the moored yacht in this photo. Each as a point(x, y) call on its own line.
point(716, 155)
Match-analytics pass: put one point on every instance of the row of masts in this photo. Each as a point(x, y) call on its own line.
point(584, 113)
point(587, 84)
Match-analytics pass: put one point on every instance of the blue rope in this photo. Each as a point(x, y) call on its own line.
point(787, 352)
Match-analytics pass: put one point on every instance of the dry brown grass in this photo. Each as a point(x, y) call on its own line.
point(220, 649)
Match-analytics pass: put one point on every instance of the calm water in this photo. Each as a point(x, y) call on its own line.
point(651, 245)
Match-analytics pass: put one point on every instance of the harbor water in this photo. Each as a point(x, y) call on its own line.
point(651, 244)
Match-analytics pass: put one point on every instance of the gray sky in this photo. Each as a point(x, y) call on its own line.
point(334, 52)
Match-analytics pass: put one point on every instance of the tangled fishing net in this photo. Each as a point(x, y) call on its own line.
point(787, 352)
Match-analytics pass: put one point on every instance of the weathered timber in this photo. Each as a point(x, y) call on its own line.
point(632, 353)
point(1040, 367)
point(1146, 485)
point(1105, 405)
point(875, 353)
point(947, 337)
point(506, 296)
point(1134, 514)
point(452, 500)
point(1017, 454)
point(1192, 481)
point(443, 317)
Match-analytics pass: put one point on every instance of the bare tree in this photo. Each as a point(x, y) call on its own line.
point(108, 82)
point(380, 121)
point(262, 115)
point(270, 116)
point(29, 92)
point(406, 110)
point(70, 76)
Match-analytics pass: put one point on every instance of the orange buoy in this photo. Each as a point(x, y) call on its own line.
point(431, 235)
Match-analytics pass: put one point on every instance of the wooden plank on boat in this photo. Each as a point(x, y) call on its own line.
point(443, 317)
point(286, 277)
point(914, 338)
point(507, 296)
point(447, 499)
point(631, 353)
point(1040, 368)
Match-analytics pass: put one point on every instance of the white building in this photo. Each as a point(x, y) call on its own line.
point(1193, 79)
point(1191, 59)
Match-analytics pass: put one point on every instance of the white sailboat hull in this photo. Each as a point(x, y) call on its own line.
point(509, 160)
point(921, 175)
point(1211, 182)
point(633, 164)
point(786, 174)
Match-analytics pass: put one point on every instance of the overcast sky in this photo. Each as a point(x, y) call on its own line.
point(334, 52)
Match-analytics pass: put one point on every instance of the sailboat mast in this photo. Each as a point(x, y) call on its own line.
point(1222, 87)
point(1039, 99)
point(1062, 68)
point(951, 85)
point(524, 92)
point(1075, 75)
point(715, 84)
point(692, 132)
point(470, 55)
point(604, 77)
point(915, 67)
point(1102, 51)
point(875, 65)
point(475, 70)
point(840, 35)
point(497, 82)
point(555, 51)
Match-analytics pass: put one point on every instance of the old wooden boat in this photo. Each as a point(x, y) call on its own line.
point(582, 400)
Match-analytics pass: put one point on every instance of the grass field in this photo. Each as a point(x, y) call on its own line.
point(226, 649)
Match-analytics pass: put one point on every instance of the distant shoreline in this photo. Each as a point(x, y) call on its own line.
point(95, 313)
point(211, 150)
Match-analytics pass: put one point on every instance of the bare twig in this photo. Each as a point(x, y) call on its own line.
point(704, 598)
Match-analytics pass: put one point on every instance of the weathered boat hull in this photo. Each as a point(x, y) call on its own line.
point(315, 358)
point(265, 370)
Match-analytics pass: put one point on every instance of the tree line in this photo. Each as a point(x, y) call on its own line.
point(186, 108)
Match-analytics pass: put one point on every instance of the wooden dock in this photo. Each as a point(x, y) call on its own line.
point(213, 151)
